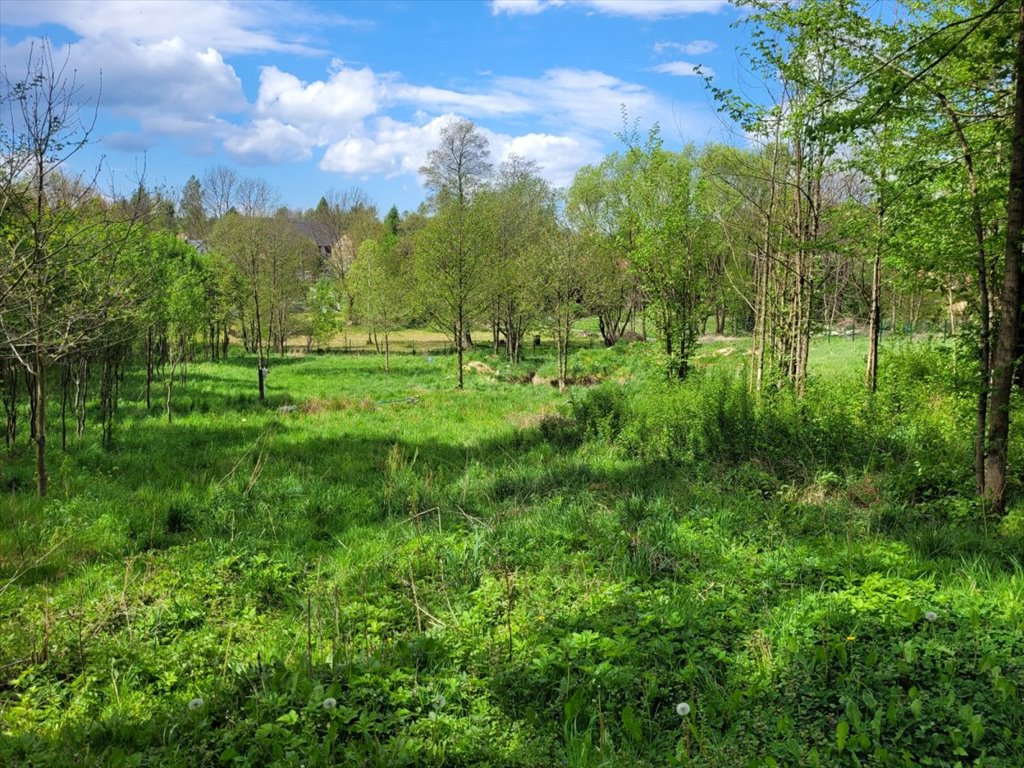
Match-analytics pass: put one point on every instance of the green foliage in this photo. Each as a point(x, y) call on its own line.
point(323, 310)
point(366, 580)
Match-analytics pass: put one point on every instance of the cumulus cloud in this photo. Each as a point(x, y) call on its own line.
point(692, 48)
point(322, 109)
point(683, 69)
point(392, 147)
point(269, 141)
point(559, 157)
point(139, 77)
point(230, 27)
point(643, 9)
point(333, 112)
point(164, 66)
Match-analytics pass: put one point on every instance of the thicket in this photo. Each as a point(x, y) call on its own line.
point(915, 430)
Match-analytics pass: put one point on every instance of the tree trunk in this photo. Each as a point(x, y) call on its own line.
point(459, 349)
point(65, 378)
point(1009, 321)
point(148, 367)
point(984, 297)
point(874, 319)
point(11, 401)
point(40, 424)
point(258, 338)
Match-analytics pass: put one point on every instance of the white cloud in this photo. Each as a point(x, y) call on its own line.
point(497, 103)
point(268, 141)
point(692, 48)
point(333, 112)
point(643, 9)
point(231, 27)
point(162, 63)
point(322, 109)
point(394, 147)
point(683, 69)
point(518, 7)
point(559, 157)
point(585, 99)
point(168, 87)
point(655, 9)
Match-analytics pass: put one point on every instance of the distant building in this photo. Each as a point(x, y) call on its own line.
point(334, 253)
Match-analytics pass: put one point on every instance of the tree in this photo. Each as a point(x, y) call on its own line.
point(193, 212)
point(565, 285)
point(795, 52)
point(1007, 349)
point(392, 222)
point(323, 312)
point(382, 279)
point(219, 188)
point(450, 248)
point(595, 207)
point(520, 210)
point(63, 281)
point(669, 248)
point(450, 266)
point(458, 165)
point(245, 239)
point(187, 310)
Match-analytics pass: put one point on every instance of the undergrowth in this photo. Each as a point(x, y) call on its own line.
point(426, 578)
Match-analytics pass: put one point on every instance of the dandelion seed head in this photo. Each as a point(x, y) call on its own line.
point(196, 703)
point(682, 709)
point(329, 703)
point(931, 615)
point(440, 701)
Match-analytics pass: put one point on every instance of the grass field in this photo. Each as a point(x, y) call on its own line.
point(377, 569)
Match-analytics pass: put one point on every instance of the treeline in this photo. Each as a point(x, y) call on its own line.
point(872, 188)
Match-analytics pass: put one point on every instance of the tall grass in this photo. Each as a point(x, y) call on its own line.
point(392, 573)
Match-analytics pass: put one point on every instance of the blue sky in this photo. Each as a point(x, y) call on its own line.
point(320, 96)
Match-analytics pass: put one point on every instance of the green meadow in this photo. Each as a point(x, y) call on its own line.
point(375, 569)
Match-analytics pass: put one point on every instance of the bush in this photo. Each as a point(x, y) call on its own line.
point(919, 435)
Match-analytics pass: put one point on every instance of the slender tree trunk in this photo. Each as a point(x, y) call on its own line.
point(562, 342)
point(30, 386)
point(149, 366)
point(65, 377)
point(984, 297)
point(875, 309)
point(11, 401)
point(458, 346)
point(40, 423)
point(78, 404)
point(258, 337)
point(874, 323)
point(1009, 321)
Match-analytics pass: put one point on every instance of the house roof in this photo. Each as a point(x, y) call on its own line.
point(316, 231)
